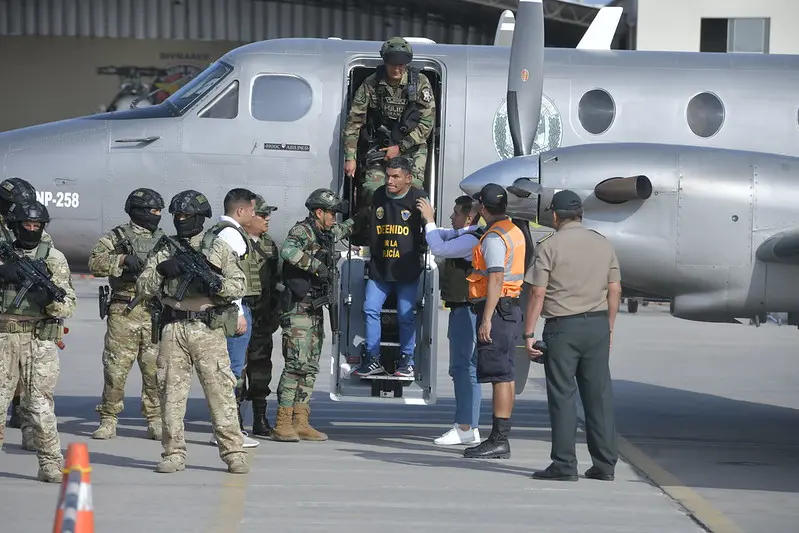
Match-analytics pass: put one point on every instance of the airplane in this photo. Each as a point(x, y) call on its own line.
point(268, 116)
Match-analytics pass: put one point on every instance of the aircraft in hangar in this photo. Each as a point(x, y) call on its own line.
point(684, 161)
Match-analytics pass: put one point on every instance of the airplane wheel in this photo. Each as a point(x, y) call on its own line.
point(645, 303)
point(632, 305)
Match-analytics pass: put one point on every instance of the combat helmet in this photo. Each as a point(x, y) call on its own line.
point(27, 210)
point(13, 188)
point(190, 202)
point(396, 51)
point(145, 198)
point(325, 199)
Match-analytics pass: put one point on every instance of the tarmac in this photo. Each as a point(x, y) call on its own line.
point(706, 410)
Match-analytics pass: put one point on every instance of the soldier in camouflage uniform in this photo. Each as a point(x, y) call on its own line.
point(192, 334)
point(265, 319)
point(11, 190)
point(120, 255)
point(29, 332)
point(304, 272)
point(401, 98)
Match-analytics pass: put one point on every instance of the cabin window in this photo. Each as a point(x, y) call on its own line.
point(596, 111)
point(226, 105)
point(280, 98)
point(705, 114)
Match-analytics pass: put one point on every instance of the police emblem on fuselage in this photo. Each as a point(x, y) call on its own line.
point(548, 136)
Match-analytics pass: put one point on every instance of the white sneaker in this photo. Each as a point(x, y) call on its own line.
point(457, 436)
point(248, 442)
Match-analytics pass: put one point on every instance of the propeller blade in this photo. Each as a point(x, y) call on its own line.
point(504, 33)
point(526, 75)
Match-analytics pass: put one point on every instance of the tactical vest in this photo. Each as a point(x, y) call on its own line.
point(10, 290)
point(301, 282)
point(195, 289)
point(263, 259)
point(408, 119)
point(129, 242)
point(249, 263)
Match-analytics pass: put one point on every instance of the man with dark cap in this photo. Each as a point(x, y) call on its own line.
point(576, 287)
point(400, 98)
point(495, 285)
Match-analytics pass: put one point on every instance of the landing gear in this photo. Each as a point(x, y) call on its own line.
point(632, 305)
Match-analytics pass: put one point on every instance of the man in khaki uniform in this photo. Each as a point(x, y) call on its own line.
point(576, 287)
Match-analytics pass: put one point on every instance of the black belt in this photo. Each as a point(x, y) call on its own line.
point(516, 302)
point(455, 305)
point(578, 315)
point(121, 298)
point(173, 315)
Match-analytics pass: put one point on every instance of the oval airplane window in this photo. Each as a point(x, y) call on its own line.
point(596, 111)
point(280, 98)
point(705, 114)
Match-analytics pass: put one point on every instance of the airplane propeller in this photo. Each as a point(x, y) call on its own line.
point(526, 76)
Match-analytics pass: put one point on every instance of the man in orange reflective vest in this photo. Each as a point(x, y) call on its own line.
point(495, 285)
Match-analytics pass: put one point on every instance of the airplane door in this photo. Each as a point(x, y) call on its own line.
point(259, 130)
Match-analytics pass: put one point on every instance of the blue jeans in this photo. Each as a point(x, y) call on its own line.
point(237, 346)
point(376, 294)
point(462, 335)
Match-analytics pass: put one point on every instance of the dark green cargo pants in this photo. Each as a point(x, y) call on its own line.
point(578, 349)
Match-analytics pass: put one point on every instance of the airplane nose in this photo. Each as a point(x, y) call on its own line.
point(506, 173)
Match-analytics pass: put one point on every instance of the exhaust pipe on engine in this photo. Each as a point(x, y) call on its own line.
point(619, 190)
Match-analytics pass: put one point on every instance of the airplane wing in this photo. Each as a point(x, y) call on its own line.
point(782, 247)
point(599, 35)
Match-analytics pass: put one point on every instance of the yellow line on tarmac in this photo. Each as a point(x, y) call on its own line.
point(697, 506)
point(230, 511)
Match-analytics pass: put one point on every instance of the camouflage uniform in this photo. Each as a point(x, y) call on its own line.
point(265, 322)
point(28, 334)
point(13, 189)
point(377, 97)
point(303, 326)
point(128, 333)
point(189, 340)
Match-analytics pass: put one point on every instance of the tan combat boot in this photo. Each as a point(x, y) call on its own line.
point(284, 426)
point(238, 465)
point(154, 430)
point(302, 411)
point(107, 429)
point(50, 473)
point(170, 465)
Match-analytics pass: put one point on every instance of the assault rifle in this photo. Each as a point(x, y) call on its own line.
point(381, 138)
point(195, 266)
point(329, 287)
point(33, 273)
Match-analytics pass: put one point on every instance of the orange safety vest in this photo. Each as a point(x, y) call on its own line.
point(514, 262)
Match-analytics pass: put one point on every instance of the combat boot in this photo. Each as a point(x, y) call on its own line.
point(238, 465)
point(50, 473)
point(260, 425)
point(154, 430)
point(16, 420)
point(107, 429)
point(302, 411)
point(170, 465)
point(496, 446)
point(284, 426)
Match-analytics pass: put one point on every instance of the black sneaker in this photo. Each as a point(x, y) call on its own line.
point(370, 367)
point(404, 371)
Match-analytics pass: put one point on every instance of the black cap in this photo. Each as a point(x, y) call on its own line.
point(565, 200)
point(492, 195)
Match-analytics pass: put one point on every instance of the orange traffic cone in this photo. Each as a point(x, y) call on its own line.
point(75, 513)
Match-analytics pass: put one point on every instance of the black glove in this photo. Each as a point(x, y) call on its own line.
point(133, 263)
point(171, 268)
point(323, 272)
point(9, 273)
point(39, 297)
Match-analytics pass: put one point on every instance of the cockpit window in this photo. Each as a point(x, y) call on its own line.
point(189, 94)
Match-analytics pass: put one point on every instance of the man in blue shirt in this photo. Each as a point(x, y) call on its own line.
point(455, 246)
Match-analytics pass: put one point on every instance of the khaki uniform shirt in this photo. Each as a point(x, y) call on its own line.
point(575, 264)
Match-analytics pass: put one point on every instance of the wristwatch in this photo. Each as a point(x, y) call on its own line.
point(528, 336)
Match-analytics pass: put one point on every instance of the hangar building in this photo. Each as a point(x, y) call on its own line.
point(67, 58)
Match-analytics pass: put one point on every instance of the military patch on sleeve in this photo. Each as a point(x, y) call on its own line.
point(427, 94)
